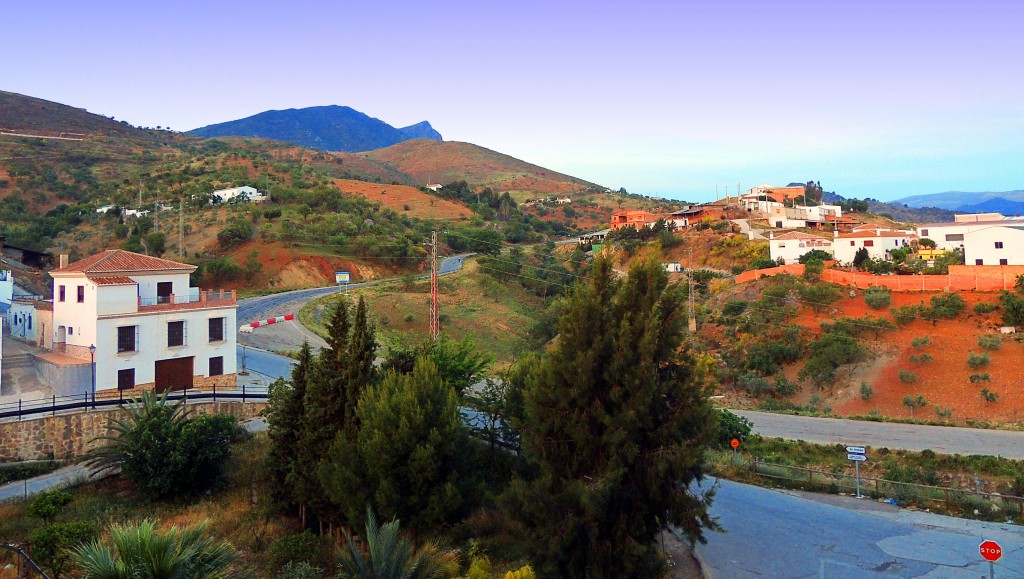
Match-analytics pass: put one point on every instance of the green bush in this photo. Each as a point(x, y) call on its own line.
point(947, 305)
point(990, 341)
point(815, 255)
point(305, 547)
point(52, 545)
point(905, 314)
point(818, 296)
point(907, 377)
point(866, 391)
point(730, 426)
point(236, 233)
point(877, 298)
point(1013, 308)
point(985, 308)
point(976, 361)
point(920, 342)
point(48, 504)
point(21, 471)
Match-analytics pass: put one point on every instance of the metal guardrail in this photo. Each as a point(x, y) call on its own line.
point(54, 404)
point(877, 488)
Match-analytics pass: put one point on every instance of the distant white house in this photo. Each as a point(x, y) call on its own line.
point(105, 208)
point(6, 296)
point(563, 201)
point(951, 235)
point(995, 245)
point(237, 194)
point(673, 267)
point(792, 245)
point(435, 187)
point(594, 237)
point(878, 242)
point(136, 213)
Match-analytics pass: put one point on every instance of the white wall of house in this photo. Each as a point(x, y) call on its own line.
point(243, 193)
point(995, 245)
point(791, 250)
point(24, 321)
point(878, 246)
point(151, 337)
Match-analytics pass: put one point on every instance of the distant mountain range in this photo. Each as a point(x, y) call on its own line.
point(1005, 202)
point(328, 128)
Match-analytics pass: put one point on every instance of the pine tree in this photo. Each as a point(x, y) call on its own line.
point(284, 426)
point(406, 457)
point(617, 420)
point(360, 372)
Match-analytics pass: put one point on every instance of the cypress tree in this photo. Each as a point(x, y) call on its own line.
point(360, 371)
point(284, 426)
point(405, 459)
point(617, 422)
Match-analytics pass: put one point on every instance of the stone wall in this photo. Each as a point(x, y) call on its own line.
point(70, 435)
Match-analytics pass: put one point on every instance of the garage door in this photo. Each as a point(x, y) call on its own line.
point(174, 374)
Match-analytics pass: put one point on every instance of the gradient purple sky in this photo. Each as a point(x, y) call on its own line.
point(878, 99)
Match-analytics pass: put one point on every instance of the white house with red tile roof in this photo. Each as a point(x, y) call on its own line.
point(791, 245)
point(147, 326)
point(878, 241)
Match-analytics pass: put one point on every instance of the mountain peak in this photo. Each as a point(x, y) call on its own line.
point(327, 128)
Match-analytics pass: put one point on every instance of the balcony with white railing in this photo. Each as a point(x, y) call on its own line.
point(194, 300)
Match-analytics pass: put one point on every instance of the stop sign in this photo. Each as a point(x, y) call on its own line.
point(990, 550)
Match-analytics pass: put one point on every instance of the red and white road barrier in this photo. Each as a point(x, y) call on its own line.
point(249, 327)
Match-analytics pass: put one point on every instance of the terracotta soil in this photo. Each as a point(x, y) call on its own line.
point(944, 381)
point(292, 268)
point(398, 197)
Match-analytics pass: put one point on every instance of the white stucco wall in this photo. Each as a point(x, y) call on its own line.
point(981, 245)
point(845, 249)
point(790, 250)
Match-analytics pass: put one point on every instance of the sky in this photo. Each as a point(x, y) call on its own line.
point(677, 99)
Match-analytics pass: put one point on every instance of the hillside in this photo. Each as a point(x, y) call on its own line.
point(428, 161)
point(329, 128)
point(960, 200)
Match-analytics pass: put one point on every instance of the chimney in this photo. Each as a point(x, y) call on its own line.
point(63, 261)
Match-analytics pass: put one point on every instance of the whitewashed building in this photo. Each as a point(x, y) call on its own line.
point(877, 241)
point(951, 235)
point(6, 297)
point(995, 245)
point(147, 327)
point(791, 245)
point(237, 195)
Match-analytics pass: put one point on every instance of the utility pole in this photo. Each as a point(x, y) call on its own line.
point(689, 294)
point(435, 319)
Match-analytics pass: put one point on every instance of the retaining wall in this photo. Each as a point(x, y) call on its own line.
point(70, 435)
point(960, 277)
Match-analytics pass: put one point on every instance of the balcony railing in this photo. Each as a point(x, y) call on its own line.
point(200, 299)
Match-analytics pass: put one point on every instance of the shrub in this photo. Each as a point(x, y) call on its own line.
point(947, 305)
point(877, 298)
point(985, 308)
point(920, 342)
point(907, 377)
point(976, 361)
point(730, 426)
point(990, 341)
point(815, 255)
point(813, 270)
point(988, 395)
point(983, 377)
point(921, 359)
point(1013, 308)
point(905, 314)
point(272, 213)
point(163, 452)
point(754, 384)
point(941, 412)
point(48, 504)
point(818, 295)
point(866, 391)
point(785, 387)
point(237, 232)
point(305, 547)
point(53, 545)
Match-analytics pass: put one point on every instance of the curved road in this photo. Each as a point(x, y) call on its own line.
point(769, 533)
point(917, 437)
point(257, 308)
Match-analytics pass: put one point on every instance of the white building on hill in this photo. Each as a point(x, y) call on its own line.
point(995, 245)
point(6, 297)
point(877, 241)
point(950, 235)
point(790, 246)
point(238, 195)
point(146, 326)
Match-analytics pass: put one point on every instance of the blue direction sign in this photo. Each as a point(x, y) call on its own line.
point(856, 457)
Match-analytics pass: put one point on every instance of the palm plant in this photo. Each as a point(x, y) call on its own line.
point(151, 409)
point(139, 551)
point(390, 555)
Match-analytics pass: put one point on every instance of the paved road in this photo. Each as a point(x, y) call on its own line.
point(942, 439)
point(269, 365)
point(744, 225)
point(262, 307)
point(781, 534)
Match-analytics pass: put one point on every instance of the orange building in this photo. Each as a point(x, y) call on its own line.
point(636, 219)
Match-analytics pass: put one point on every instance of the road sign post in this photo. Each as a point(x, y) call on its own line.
point(735, 444)
point(857, 454)
point(991, 552)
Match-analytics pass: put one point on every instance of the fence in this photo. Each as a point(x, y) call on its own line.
point(960, 277)
point(901, 492)
point(55, 404)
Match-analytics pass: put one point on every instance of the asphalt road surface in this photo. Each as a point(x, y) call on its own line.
point(941, 439)
point(271, 366)
point(785, 535)
point(262, 307)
